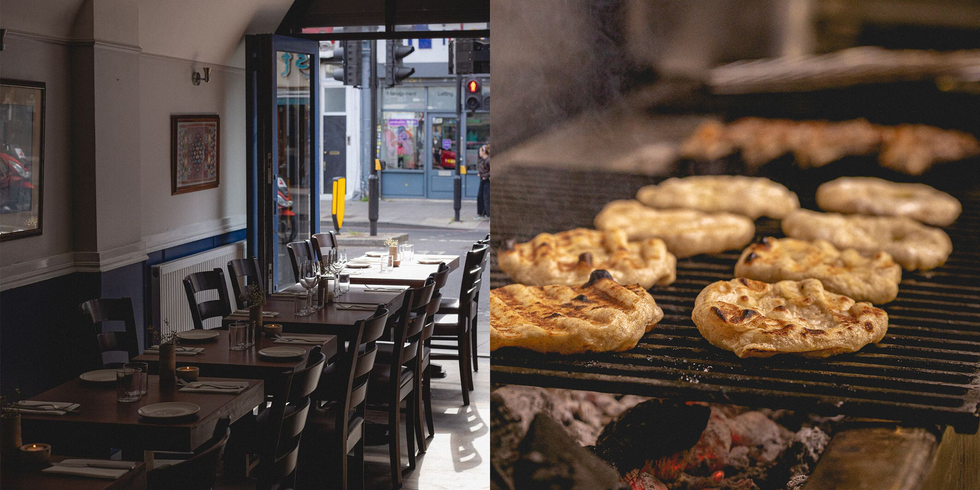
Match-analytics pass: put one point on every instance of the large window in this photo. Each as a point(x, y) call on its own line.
point(403, 140)
point(477, 135)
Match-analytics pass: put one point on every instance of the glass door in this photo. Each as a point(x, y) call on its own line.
point(443, 155)
point(283, 152)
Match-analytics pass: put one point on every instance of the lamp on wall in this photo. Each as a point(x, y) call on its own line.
point(196, 77)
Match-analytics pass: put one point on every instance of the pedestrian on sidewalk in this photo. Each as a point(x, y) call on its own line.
point(483, 170)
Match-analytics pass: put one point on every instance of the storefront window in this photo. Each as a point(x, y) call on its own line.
point(477, 135)
point(444, 142)
point(442, 98)
point(403, 139)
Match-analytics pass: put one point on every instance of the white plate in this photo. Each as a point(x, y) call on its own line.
point(358, 265)
point(198, 335)
point(283, 352)
point(375, 254)
point(99, 376)
point(168, 410)
point(431, 261)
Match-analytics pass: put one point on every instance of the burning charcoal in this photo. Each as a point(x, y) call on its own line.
point(550, 459)
point(505, 436)
point(650, 431)
point(710, 453)
point(755, 429)
point(801, 456)
point(641, 480)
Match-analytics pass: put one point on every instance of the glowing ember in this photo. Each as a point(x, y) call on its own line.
point(718, 475)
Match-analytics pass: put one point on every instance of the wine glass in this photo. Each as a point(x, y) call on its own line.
point(307, 279)
point(340, 262)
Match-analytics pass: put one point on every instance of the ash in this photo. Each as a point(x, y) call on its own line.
point(739, 448)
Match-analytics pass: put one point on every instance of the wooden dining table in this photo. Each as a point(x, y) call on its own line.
point(17, 477)
point(219, 361)
point(411, 273)
point(102, 420)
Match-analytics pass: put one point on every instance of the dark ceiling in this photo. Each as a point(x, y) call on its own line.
point(344, 13)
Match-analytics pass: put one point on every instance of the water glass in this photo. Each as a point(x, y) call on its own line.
point(387, 262)
point(238, 336)
point(128, 385)
point(143, 369)
point(299, 305)
point(343, 283)
point(407, 252)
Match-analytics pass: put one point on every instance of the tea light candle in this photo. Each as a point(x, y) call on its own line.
point(35, 453)
point(271, 330)
point(188, 373)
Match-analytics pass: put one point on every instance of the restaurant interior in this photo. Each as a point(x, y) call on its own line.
point(156, 331)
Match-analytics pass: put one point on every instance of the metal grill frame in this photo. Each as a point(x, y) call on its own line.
point(925, 371)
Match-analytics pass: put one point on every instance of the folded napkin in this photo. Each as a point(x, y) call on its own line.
point(103, 473)
point(383, 290)
point(226, 387)
point(265, 314)
point(98, 463)
point(301, 339)
point(46, 408)
point(180, 350)
point(355, 306)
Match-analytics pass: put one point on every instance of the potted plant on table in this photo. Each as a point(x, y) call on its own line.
point(255, 299)
point(392, 244)
point(168, 355)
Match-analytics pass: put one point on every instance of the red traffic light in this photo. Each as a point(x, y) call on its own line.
point(473, 86)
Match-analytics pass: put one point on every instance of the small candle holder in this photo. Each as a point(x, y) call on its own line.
point(35, 454)
point(188, 373)
point(272, 330)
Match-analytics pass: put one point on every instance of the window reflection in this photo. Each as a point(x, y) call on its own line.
point(403, 140)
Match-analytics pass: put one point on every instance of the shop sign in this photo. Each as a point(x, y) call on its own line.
point(402, 122)
point(447, 144)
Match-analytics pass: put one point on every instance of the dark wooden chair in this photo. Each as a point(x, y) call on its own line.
point(394, 381)
point(213, 280)
point(423, 377)
point(244, 272)
point(299, 252)
point(197, 472)
point(103, 310)
point(321, 241)
point(338, 427)
point(452, 333)
point(281, 426)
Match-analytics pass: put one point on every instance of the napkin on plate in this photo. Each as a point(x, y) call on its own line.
point(226, 387)
point(180, 350)
point(354, 306)
point(46, 408)
point(301, 339)
point(98, 463)
point(89, 471)
point(383, 290)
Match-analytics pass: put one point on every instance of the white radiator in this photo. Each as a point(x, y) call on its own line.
point(169, 301)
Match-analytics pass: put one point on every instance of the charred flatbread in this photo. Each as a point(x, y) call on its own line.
point(747, 196)
point(569, 258)
point(599, 316)
point(685, 231)
point(846, 272)
point(879, 197)
point(910, 243)
point(757, 319)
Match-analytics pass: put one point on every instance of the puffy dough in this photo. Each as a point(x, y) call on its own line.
point(599, 316)
point(879, 197)
point(846, 272)
point(756, 319)
point(570, 256)
point(912, 244)
point(747, 196)
point(686, 232)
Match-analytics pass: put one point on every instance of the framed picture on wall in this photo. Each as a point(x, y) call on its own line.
point(21, 158)
point(195, 162)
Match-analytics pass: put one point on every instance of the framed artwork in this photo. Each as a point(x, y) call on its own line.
point(194, 153)
point(21, 158)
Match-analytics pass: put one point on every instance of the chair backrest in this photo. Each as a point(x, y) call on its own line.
point(290, 393)
point(299, 252)
point(408, 330)
point(213, 280)
point(358, 364)
point(440, 277)
point(102, 310)
point(484, 241)
point(321, 241)
point(200, 471)
point(430, 316)
point(473, 267)
point(244, 272)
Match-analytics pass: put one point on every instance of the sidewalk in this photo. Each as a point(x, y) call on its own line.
point(410, 213)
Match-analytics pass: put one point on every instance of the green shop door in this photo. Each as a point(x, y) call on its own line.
point(442, 153)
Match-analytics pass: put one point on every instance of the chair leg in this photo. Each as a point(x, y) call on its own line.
point(394, 444)
point(419, 413)
point(464, 365)
point(356, 468)
point(411, 413)
point(476, 366)
point(469, 356)
point(427, 400)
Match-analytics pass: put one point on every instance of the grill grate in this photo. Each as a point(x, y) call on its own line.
point(925, 370)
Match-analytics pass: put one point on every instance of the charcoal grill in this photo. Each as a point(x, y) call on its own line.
point(925, 371)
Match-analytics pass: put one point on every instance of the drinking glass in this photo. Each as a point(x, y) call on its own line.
point(307, 279)
point(343, 283)
point(143, 369)
point(340, 262)
point(387, 263)
point(238, 336)
point(407, 252)
point(127, 385)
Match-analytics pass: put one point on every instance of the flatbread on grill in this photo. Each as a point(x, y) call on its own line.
point(569, 257)
point(599, 316)
point(912, 244)
point(686, 232)
point(747, 196)
point(879, 197)
point(846, 272)
point(756, 319)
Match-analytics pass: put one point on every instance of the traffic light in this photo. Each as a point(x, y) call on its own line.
point(348, 55)
point(474, 95)
point(395, 72)
point(469, 56)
